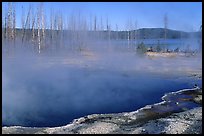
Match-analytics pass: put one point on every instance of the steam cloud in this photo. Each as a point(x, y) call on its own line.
point(52, 91)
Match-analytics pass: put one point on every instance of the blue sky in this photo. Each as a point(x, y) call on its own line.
point(186, 16)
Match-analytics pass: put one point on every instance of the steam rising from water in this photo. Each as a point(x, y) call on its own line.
point(51, 91)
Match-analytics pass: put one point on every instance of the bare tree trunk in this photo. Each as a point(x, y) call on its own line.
point(108, 29)
point(101, 28)
point(33, 26)
point(27, 19)
point(14, 23)
point(95, 23)
point(51, 28)
point(38, 24)
point(5, 26)
point(2, 27)
point(51, 23)
point(109, 33)
point(128, 38)
point(55, 30)
point(71, 28)
point(201, 39)
point(60, 27)
point(42, 21)
point(165, 27)
point(90, 22)
point(22, 21)
point(128, 34)
point(135, 35)
point(10, 21)
point(116, 28)
point(131, 32)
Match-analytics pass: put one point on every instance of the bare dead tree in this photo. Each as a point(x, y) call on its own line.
point(14, 22)
point(26, 23)
point(42, 20)
point(116, 28)
point(90, 22)
point(165, 26)
point(51, 23)
point(131, 32)
point(67, 19)
point(4, 14)
point(128, 31)
point(5, 25)
point(136, 33)
point(28, 19)
point(201, 38)
point(10, 21)
point(33, 25)
point(108, 28)
point(95, 23)
point(23, 19)
point(51, 19)
point(38, 25)
point(60, 24)
point(102, 28)
point(108, 31)
point(83, 32)
point(72, 29)
point(55, 21)
point(85, 29)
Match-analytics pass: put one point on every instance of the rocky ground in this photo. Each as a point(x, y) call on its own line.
point(188, 122)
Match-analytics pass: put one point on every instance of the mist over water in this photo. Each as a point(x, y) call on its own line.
point(42, 90)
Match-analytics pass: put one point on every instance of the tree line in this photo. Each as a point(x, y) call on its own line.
point(56, 30)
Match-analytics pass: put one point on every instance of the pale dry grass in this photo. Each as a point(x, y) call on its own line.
point(162, 54)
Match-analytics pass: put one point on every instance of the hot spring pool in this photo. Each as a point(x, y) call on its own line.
point(56, 96)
